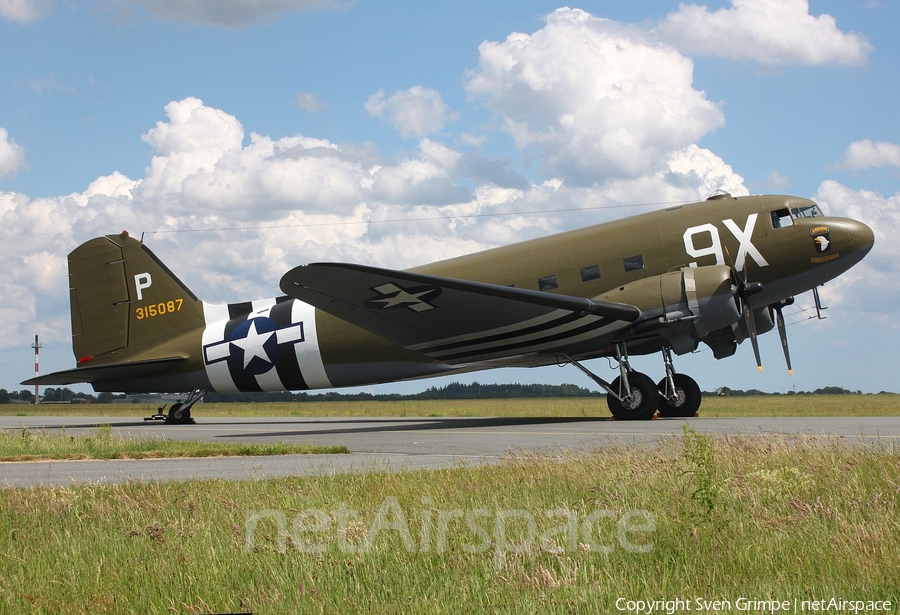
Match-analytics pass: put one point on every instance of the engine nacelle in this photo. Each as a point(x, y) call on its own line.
point(703, 299)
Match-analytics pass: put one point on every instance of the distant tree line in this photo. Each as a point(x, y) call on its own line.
point(454, 390)
point(725, 391)
point(58, 395)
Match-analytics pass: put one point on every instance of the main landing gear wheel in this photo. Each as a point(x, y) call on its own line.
point(641, 405)
point(686, 399)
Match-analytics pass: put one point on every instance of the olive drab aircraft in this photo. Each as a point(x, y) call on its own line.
point(716, 272)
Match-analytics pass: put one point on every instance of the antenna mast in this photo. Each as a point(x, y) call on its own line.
point(37, 369)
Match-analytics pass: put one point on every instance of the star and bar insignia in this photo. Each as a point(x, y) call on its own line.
point(392, 295)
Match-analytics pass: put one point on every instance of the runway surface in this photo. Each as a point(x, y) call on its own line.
point(395, 444)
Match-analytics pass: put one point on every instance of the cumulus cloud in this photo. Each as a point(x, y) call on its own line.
point(594, 98)
point(25, 10)
point(12, 155)
point(416, 112)
point(865, 154)
point(200, 163)
point(771, 32)
point(231, 13)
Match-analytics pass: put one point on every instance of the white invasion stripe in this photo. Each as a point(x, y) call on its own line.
point(309, 357)
point(555, 344)
point(270, 380)
point(506, 341)
point(216, 317)
point(261, 308)
point(539, 320)
point(215, 313)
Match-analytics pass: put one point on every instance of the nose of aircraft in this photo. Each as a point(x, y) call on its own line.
point(861, 237)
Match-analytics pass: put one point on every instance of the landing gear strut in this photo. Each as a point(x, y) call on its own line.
point(632, 396)
point(679, 394)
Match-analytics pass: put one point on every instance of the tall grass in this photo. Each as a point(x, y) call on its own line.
point(30, 445)
point(718, 518)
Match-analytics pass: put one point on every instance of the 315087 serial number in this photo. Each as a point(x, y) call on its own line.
point(158, 309)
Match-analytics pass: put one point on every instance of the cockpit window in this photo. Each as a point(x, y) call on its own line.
point(781, 218)
point(785, 217)
point(810, 211)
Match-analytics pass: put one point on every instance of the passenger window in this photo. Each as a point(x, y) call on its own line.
point(781, 218)
point(590, 273)
point(548, 282)
point(633, 263)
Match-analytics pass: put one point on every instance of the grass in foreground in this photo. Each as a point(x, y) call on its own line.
point(27, 445)
point(699, 517)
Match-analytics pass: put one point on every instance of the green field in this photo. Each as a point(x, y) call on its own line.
point(713, 406)
point(695, 518)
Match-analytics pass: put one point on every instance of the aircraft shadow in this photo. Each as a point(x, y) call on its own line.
point(413, 424)
point(333, 426)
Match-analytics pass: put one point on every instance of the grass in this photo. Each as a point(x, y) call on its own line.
point(700, 517)
point(713, 406)
point(27, 445)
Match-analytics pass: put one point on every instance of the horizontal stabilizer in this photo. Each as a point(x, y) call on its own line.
point(452, 320)
point(109, 371)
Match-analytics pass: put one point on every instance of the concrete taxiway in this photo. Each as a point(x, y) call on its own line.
point(395, 444)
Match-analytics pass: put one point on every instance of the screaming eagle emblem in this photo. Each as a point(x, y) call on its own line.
point(821, 238)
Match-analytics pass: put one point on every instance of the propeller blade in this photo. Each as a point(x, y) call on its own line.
point(751, 329)
point(746, 289)
point(782, 333)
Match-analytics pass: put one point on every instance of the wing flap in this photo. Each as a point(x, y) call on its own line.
point(455, 321)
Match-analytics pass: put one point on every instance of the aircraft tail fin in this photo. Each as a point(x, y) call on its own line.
point(126, 305)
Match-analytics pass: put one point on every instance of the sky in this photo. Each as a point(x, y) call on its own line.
point(242, 138)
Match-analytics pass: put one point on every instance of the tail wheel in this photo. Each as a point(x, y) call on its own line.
point(686, 400)
point(178, 414)
point(641, 405)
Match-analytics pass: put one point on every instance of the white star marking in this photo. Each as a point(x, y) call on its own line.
point(252, 345)
point(402, 298)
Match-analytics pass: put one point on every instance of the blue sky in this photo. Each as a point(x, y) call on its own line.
point(163, 115)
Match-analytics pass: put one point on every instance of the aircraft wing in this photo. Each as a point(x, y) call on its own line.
point(455, 321)
point(110, 371)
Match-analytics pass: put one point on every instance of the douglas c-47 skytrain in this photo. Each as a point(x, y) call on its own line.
point(717, 272)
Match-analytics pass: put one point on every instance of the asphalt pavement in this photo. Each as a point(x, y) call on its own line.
point(397, 444)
